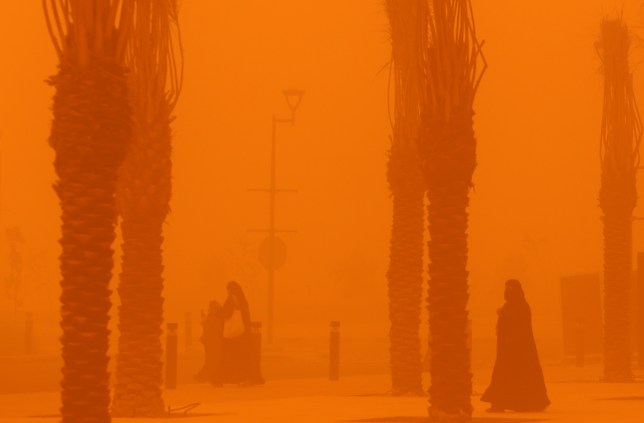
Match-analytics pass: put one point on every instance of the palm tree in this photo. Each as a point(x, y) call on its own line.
point(90, 134)
point(448, 150)
point(407, 19)
point(143, 199)
point(620, 139)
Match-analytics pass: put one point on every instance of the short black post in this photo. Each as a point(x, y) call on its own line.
point(580, 353)
point(188, 331)
point(469, 339)
point(334, 351)
point(171, 356)
point(256, 342)
point(639, 324)
point(29, 332)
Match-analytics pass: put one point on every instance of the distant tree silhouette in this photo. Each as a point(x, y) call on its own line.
point(408, 29)
point(90, 135)
point(154, 58)
point(620, 139)
point(448, 150)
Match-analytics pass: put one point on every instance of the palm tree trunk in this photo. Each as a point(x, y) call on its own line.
point(144, 196)
point(90, 133)
point(617, 279)
point(620, 139)
point(407, 20)
point(448, 148)
point(144, 202)
point(405, 290)
point(449, 172)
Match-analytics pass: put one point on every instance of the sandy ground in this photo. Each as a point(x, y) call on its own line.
point(576, 396)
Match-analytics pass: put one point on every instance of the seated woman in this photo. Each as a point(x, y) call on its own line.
point(240, 357)
point(212, 339)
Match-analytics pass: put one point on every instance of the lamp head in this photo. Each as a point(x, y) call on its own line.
point(293, 98)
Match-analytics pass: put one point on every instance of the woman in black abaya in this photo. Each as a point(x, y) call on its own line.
point(517, 380)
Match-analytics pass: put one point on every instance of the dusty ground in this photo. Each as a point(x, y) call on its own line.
point(576, 396)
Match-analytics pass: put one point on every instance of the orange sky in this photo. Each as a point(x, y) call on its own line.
point(534, 211)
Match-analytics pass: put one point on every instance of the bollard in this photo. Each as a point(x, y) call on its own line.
point(171, 356)
point(256, 342)
point(334, 351)
point(579, 345)
point(29, 332)
point(639, 323)
point(188, 331)
point(469, 340)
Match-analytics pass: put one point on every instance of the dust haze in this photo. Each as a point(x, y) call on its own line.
point(534, 210)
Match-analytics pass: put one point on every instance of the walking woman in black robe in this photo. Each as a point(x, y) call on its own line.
point(517, 380)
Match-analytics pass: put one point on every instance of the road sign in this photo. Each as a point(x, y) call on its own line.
point(279, 253)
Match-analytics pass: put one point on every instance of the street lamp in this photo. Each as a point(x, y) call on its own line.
point(293, 98)
point(272, 251)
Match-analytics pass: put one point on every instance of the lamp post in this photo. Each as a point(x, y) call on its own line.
point(272, 251)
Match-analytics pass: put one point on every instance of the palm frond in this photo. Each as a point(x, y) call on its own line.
point(81, 28)
point(455, 60)
point(155, 55)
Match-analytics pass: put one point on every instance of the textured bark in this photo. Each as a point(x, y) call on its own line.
point(621, 133)
point(449, 167)
point(144, 196)
point(405, 291)
point(90, 133)
point(448, 151)
point(408, 21)
point(617, 303)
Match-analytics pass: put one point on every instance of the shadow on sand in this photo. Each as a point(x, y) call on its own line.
point(399, 419)
point(167, 416)
point(634, 398)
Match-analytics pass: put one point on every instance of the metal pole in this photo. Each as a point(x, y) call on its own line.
point(256, 333)
point(334, 351)
point(640, 309)
point(271, 236)
point(580, 348)
point(272, 209)
point(1, 182)
point(29, 318)
point(469, 339)
point(188, 331)
point(171, 356)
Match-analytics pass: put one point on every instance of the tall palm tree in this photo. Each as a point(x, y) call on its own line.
point(408, 28)
point(448, 150)
point(90, 134)
point(620, 139)
point(143, 199)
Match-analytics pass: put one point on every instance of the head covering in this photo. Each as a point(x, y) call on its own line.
point(236, 289)
point(513, 290)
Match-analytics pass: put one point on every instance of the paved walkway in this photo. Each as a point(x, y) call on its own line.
point(575, 394)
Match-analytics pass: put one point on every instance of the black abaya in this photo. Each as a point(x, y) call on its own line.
point(517, 380)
